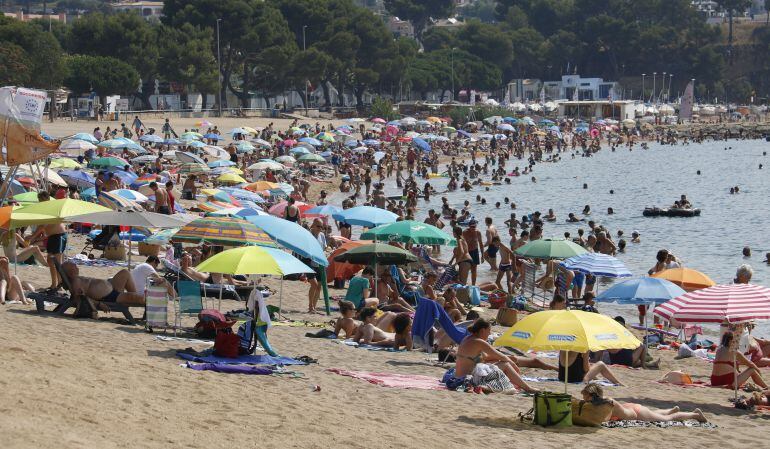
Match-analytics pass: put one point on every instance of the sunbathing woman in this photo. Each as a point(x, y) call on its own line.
point(11, 286)
point(12, 239)
point(581, 370)
point(368, 333)
point(499, 375)
point(629, 411)
point(726, 363)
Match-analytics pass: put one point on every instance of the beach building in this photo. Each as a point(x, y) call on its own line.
point(588, 89)
point(400, 28)
point(596, 109)
point(21, 16)
point(147, 9)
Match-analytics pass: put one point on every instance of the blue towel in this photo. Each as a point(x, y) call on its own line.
point(230, 368)
point(242, 360)
point(428, 312)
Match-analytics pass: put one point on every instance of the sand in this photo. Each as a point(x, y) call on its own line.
point(82, 383)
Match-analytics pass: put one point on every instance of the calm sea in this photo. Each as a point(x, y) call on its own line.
point(711, 243)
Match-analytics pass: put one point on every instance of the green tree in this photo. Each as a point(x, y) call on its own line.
point(101, 74)
point(731, 7)
point(42, 53)
point(185, 57)
point(483, 10)
point(14, 66)
point(383, 108)
point(419, 12)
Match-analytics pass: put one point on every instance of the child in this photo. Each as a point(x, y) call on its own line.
point(346, 322)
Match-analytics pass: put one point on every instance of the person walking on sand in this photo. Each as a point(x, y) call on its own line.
point(161, 199)
point(472, 237)
point(490, 255)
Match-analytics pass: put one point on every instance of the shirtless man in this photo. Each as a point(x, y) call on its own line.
point(605, 245)
point(369, 334)
point(120, 289)
point(161, 199)
point(472, 237)
point(491, 253)
point(54, 246)
point(346, 322)
point(506, 265)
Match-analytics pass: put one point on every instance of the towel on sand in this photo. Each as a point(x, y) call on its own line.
point(662, 424)
point(242, 360)
point(393, 380)
point(229, 368)
point(353, 344)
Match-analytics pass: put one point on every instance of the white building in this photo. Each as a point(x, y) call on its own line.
point(148, 10)
point(588, 88)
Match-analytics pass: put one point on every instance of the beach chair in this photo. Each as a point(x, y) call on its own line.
point(155, 306)
point(409, 295)
point(101, 240)
point(529, 285)
point(189, 301)
point(174, 273)
point(65, 302)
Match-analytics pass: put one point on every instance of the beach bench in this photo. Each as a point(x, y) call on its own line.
point(64, 301)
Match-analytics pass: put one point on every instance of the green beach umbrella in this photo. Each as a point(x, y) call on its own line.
point(409, 231)
point(550, 249)
point(312, 159)
point(376, 253)
point(63, 209)
point(107, 162)
point(26, 197)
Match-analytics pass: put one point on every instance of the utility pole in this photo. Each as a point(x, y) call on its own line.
point(219, 69)
point(452, 59)
point(303, 51)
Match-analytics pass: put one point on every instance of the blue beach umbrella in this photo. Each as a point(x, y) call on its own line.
point(644, 290)
point(372, 142)
point(221, 163)
point(324, 211)
point(85, 136)
point(126, 177)
point(212, 136)
point(299, 151)
point(597, 264)
point(312, 141)
point(421, 144)
point(77, 178)
point(291, 236)
point(243, 194)
point(464, 133)
point(152, 138)
point(365, 216)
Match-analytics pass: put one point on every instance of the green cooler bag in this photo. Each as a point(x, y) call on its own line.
point(553, 409)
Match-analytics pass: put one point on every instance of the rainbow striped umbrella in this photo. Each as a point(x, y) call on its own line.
point(213, 206)
point(114, 201)
point(223, 231)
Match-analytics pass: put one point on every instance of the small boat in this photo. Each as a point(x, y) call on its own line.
point(670, 212)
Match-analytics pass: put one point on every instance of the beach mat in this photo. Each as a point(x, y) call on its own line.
point(694, 384)
point(241, 360)
point(394, 380)
point(602, 382)
point(185, 340)
point(229, 368)
point(625, 424)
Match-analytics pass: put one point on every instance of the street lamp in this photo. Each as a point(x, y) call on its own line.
point(654, 74)
point(219, 70)
point(668, 92)
point(452, 57)
point(303, 51)
point(641, 97)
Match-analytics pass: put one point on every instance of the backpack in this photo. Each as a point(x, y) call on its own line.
point(247, 342)
point(210, 322)
point(226, 344)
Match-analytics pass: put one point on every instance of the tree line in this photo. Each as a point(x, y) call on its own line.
point(269, 47)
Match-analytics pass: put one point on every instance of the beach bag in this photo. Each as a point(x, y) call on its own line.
point(552, 409)
point(475, 295)
point(226, 344)
point(588, 414)
point(210, 321)
point(246, 342)
point(497, 300)
point(506, 317)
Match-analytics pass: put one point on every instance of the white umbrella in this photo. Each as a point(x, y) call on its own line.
point(266, 165)
point(78, 145)
point(184, 156)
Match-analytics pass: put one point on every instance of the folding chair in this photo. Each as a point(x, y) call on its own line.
point(156, 306)
point(189, 303)
point(529, 285)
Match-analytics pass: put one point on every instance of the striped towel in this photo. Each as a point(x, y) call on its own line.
point(447, 277)
point(156, 300)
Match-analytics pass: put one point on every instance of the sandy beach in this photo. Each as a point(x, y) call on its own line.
point(83, 383)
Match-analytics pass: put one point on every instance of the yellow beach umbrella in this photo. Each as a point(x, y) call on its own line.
point(434, 119)
point(64, 162)
point(231, 178)
point(250, 130)
point(210, 192)
point(262, 185)
point(568, 330)
point(58, 210)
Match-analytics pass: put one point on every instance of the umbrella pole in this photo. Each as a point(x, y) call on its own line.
point(735, 376)
point(566, 370)
point(280, 300)
point(219, 306)
point(130, 229)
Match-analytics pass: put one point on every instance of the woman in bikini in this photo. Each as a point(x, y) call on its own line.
point(461, 255)
point(11, 286)
point(579, 369)
point(630, 411)
point(475, 354)
point(726, 363)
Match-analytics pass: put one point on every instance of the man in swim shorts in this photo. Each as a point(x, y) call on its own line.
point(473, 237)
point(490, 255)
point(55, 245)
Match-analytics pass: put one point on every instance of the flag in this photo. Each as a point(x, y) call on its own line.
point(21, 111)
point(685, 107)
point(542, 95)
point(575, 96)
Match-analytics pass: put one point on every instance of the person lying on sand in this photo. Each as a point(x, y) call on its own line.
point(473, 364)
point(119, 289)
point(369, 334)
point(346, 322)
point(630, 411)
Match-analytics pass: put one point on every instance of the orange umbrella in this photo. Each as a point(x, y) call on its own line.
point(344, 270)
point(5, 216)
point(262, 185)
point(686, 278)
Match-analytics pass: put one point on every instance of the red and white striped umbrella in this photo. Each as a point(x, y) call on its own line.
point(734, 303)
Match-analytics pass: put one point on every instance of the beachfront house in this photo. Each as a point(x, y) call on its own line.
point(596, 109)
point(588, 89)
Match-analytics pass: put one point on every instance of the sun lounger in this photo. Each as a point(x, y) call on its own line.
point(174, 273)
point(64, 301)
